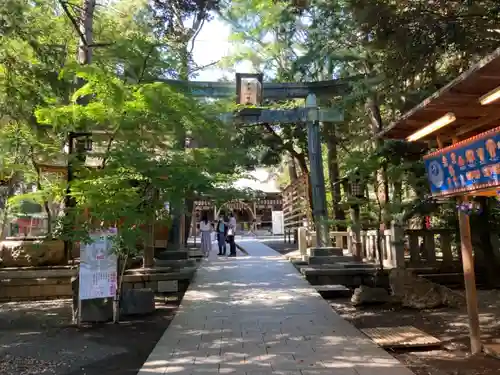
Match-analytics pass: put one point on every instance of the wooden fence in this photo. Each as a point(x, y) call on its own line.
point(422, 248)
point(296, 208)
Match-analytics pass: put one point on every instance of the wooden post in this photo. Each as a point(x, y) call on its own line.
point(470, 281)
point(439, 142)
point(148, 260)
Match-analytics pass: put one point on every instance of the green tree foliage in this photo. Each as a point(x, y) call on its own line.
point(395, 54)
point(134, 166)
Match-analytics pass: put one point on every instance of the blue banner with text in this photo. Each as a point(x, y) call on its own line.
point(465, 167)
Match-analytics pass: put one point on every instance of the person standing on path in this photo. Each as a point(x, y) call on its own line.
point(206, 236)
point(230, 235)
point(221, 230)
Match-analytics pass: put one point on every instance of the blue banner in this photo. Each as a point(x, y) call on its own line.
point(465, 167)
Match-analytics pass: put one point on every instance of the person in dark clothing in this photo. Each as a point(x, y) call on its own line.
point(230, 235)
point(221, 230)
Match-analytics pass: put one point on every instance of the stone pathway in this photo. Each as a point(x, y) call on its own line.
point(256, 315)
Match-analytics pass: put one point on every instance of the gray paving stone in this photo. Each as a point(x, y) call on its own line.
point(256, 315)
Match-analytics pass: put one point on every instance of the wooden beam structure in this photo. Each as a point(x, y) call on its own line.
point(461, 97)
point(271, 91)
point(257, 116)
point(467, 161)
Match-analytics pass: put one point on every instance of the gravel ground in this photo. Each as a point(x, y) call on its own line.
point(449, 325)
point(37, 338)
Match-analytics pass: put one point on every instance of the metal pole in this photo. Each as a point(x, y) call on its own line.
point(316, 171)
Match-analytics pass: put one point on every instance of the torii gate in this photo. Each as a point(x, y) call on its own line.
point(310, 115)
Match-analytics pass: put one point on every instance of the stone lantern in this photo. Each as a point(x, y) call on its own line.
point(354, 189)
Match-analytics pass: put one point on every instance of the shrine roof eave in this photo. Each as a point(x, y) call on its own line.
point(460, 97)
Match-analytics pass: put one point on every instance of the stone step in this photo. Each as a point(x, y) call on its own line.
point(330, 259)
point(324, 251)
point(336, 271)
point(195, 253)
point(175, 263)
point(335, 274)
point(357, 265)
point(299, 263)
point(172, 255)
point(156, 274)
point(333, 291)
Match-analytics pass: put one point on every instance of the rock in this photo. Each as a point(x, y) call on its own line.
point(418, 293)
point(93, 310)
point(365, 295)
point(31, 253)
point(137, 302)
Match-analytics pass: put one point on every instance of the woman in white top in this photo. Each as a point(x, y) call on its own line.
point(231, 234)
point(206, 235)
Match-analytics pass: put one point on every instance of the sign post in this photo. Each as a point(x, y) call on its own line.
point(98, 273)
point(469, 167)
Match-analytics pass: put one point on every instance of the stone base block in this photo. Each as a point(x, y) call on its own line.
point(325, 251)
point(137, 302)
point(330, 259)
point(172, 255)
point(93, 310)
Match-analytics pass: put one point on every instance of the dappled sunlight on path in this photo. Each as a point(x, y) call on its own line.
point(256, 315)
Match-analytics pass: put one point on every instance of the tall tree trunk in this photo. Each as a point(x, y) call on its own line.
point(334, 174)
point(398, 193)
point(84, 26)
point(39, 187)
point(373, 110)
point(292, 169)
point(7, 192)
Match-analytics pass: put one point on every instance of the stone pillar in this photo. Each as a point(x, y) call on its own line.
point(357, 248)
point(430, 248)
point(445, 240)
point(302, 241)
point(397, 250)
point(314, 239)
point(414, 249)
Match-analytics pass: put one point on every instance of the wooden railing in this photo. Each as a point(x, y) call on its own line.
point(338, 239)
point(430, 247)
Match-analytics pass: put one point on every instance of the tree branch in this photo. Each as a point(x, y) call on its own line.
point(145, 64)
point(64, 5)
point(198, 68)
point(199, 26)
point(288, 147)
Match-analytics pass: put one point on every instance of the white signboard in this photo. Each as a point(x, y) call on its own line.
point(98, 267)
point(278, 222)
